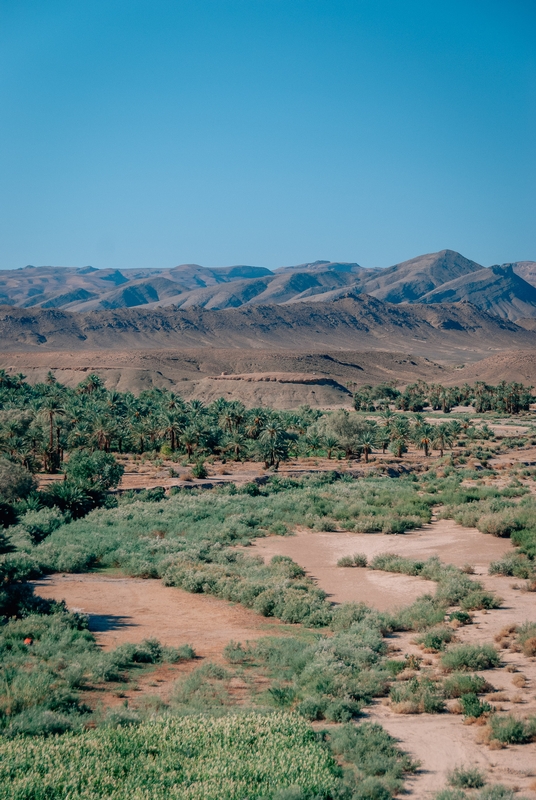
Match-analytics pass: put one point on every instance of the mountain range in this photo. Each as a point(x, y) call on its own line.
point(507, 291)
point(352, 321)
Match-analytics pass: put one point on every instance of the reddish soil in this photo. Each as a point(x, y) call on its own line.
point(132, 609)
point(318, 553)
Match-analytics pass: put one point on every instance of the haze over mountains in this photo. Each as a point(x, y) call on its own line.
point(507, 291)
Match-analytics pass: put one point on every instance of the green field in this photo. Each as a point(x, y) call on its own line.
point(196, 757)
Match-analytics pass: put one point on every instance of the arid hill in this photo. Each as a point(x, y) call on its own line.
point(507, 291)
point(525, 270)
point(351, 322)
point(258, 377)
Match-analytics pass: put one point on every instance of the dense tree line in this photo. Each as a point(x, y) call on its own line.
point(505, 398)
point(38, 424)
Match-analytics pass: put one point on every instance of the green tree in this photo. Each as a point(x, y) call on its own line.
point(98, 471)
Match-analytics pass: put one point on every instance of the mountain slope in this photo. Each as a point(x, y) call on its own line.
point(445, 276)
point(410, 280)
point(352, 322)
point(498, 290)
point(525, 270)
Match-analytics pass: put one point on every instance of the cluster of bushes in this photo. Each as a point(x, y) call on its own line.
point(454, 587)
point(190, 538)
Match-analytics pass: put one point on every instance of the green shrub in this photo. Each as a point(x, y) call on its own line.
point(375, 763)
point(497, 792)
point(417, 696)
point(465, 657)
point(460, 616)
point(450, 794)
point(436, 639)
point(510, 730)
point(199, 470)
point(457, 685)
point(516, 565)
point(466, 778)
point(40, 524)
point(472, 706)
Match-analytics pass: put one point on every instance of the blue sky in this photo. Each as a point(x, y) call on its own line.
point(140, 133)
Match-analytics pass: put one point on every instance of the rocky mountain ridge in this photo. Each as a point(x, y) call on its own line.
point(508, 291)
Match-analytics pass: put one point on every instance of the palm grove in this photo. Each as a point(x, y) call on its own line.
point(40, 424)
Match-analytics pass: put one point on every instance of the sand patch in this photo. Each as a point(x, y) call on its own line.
point(132, 609)
point(318, 553)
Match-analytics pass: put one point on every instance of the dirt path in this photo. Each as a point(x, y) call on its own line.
point(318, 553)
point(442, 741)
point(131, 609)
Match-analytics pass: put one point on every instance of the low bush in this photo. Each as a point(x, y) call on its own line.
point(456, 685)
point(466, 657)
point(526, 638)
point(376, 766)
point(466, 778)
point(472, 706)
point(417, 696)
point(511, 730)
point(460, 616)
point(516, 565)
point(357, 560)
point(436, 639)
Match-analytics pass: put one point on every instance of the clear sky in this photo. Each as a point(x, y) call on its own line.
point(149, 133)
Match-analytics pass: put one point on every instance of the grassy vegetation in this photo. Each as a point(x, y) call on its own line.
point(494, 791)
point(511, 730)
point(199, 541)
point(468, 657)
point(466, 778)
point(48, 660)
point(190, 539)
point(196, 757)
point(375, 766)
point(526, 638)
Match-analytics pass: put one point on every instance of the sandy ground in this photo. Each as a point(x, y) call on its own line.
point(318, 553)
point(126, 609)
point(132, 609)
point(439, 742)
point(442, 742)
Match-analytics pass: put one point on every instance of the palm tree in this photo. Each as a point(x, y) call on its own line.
point(189, 439)
point(273, 443)
point(313, 442)
point(423, 435)
point(103, 430)
point(367, 441)
point(237, 443)
point(398, 446)
point(172, 426)
point(330, 443)
point(442, 437)
point(90, 385)
point(52, 408)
